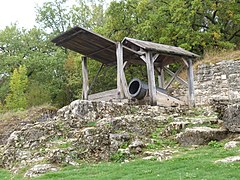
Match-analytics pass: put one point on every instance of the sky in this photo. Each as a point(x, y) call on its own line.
point(20, 11)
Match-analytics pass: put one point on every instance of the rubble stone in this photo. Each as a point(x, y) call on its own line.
point(40, 169)
point(229, 159)
point(200, 135)
point(231, 117)
point(231, 144)
point(158, 155)
point(220, 81)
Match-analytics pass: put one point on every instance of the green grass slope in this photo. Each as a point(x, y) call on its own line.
point(187, 164)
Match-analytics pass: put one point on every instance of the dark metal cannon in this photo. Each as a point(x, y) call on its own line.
point(138, 89)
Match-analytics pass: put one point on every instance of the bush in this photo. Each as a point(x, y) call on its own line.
point(16, 99)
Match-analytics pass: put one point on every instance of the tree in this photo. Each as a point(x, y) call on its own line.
point(54, 16)
point(194, 25)
point(16, 98)
point(44, 61)
point(57, 16)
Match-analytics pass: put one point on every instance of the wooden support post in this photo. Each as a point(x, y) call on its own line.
point(119, 55)
point(179, 79)
point(160, 77)
point(124, 84)
point(95, 79)
point(191, 95)
point(85, 78)
point(151, 79)
point(174, 76)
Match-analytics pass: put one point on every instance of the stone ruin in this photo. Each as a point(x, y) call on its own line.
point(220, 81)
point(99, 131)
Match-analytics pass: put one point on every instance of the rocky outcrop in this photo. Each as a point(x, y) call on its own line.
point(102, 131)
point(174, 127)
point(15, 123)
point(231, 117)
point(84, 130)
point(92, 110)
point(200, 136)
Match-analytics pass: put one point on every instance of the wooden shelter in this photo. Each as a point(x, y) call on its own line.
point(129, 51)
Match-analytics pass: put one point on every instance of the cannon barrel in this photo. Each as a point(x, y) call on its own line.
point(137, 89)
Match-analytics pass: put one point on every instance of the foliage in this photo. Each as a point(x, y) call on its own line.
point(57, 16)
point(194, 25)
point(119, 157)
point(54, 74)
point(16, 99)
point(215, 144)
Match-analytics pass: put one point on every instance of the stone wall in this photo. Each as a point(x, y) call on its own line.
point(220, 81)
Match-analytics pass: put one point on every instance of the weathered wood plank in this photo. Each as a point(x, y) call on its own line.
point(155, 57)
point(151, 78)
point(95, 78)
point(174, 76)
point(104, 96)
point(166, 100)
point(124, 83)
point(179, 79)
point(160, 48)
point(191, 95)
point(161, 83)
point(85, 78)
point(119, 54)
point(185, 61)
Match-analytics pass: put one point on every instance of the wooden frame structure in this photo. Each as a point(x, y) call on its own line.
point(155, 56)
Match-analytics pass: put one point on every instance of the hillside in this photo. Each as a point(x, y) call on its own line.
point(107, 140)
point(93, 132)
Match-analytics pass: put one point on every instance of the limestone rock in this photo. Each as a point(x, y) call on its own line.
point(40, 169)
point(231, 144)
point(217, 81)
point(229, 159)
point(90, 110)
point(136, 146)
point(200, 135)
point(174, 127)
point(231, 117)
point(93, 144)
point(83, 130)
point(117, 140)
point(125, 151)
point(158, 155)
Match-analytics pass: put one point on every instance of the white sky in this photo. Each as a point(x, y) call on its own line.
point(20, 11)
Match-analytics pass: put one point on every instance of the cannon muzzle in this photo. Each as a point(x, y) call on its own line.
point(137, 89)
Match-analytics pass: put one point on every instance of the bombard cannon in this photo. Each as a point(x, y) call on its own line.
point(139, 90)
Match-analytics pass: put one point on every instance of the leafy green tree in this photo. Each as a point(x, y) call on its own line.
point(54, 16)
point(57, 16)
point(16, 98)
point(194, 25)
point(44, 61)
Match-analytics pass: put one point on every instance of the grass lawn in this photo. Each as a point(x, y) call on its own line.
point(195, 164)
